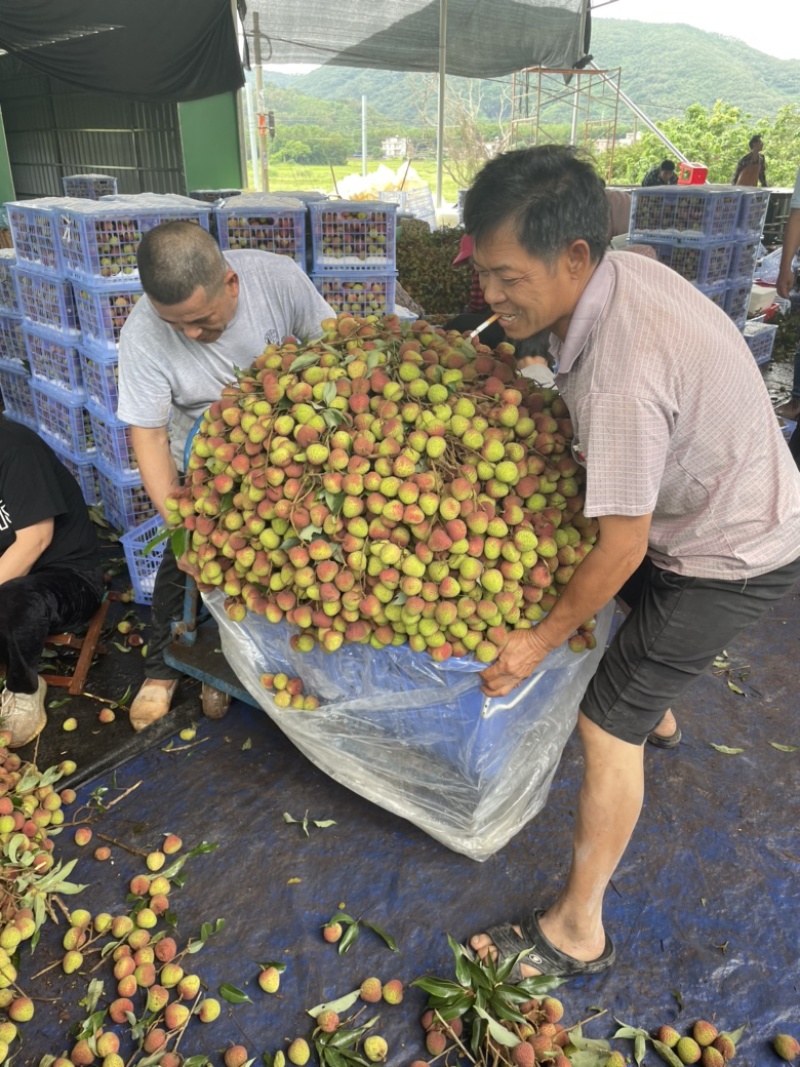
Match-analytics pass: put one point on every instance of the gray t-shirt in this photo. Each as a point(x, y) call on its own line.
point(166, 379)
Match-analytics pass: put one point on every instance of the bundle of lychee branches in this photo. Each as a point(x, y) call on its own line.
point(387, 484)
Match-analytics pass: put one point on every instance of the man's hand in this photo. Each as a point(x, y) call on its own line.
point(785, 282)
point(522, 653)
point(193, 571)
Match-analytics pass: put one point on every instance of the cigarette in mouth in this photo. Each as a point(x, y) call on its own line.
point(483, 325)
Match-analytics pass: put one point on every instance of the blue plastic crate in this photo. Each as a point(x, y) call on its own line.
point(143, 564)
point(704, 263)
point(125, 500)
point(211, 196)
point(416, 202)
point(34, 231)
point(752, 211)
point(47, 301)
point(267, 223)
point(54, 359)
point(737, 301)
point(113, 440)
point(100, 369)
point(15, 387)
point(357, 292)
point(688, 211)
point(12, 340)
point(62, 416)
point(9, 301)
point(743, 261)
point(717, 294)
point(103, 311)
point(760, 337)
point(89, 186)
point(353, 235)
point(99, 240)
point(82, 469)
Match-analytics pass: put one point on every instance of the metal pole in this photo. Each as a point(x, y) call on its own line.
point(262, 118)
point(638, 112)
point(251, 127)
point(363, 135)
point(241, 99)
point(442, 82)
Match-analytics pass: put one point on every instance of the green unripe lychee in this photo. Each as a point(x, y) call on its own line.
point(688, 1050)
point(299, 1052)
point(787, 1047)
point(375, 1049)
point(269, 979)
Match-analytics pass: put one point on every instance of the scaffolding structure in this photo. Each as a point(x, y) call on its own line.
point(544, 100)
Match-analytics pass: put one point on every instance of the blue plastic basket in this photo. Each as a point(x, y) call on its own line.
point(737, 301)
point(103, 311)
point(717, 294)
point(357, 292)
point(15, 387)
point(62, 416)
point(82, 469)
point(34, 231)
point(143, 564)
point(743, 261)
point(701, 262)
point(752, 212)
point(9, 301)
point(267, 223)
point(353, 235)
point(99, 240)
point(760, 337)
point(692, 212)
point(124, 498)
point(100, 369)
point(47, 301)
point(113, 440)
point(54, 359)
point(12, 340)
point(89, 186)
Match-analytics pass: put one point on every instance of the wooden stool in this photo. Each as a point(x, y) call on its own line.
point(88, 646)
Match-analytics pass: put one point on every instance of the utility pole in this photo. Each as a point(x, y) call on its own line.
point(262, 118)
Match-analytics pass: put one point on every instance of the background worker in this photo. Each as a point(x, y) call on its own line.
point(698, 510)
point(203, 315)
point(662, 174)
point(51, 579)
point(751, 168)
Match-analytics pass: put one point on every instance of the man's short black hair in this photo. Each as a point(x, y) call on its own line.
point(754, 138)
point(548, 194)
point(175, 258)
point(668, 165)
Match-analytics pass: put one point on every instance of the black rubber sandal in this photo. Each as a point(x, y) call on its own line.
point(671, 741)
point(541, 953)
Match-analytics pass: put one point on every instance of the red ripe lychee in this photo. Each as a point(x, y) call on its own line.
point(711, 1057)
point(332, 932)
point(704, 1033)
point(522, 1055)
point(787, 1047)
point(435, 1042)
point(327, 1021)
point(392, 991)
point(235, 1056)
point(724, 1045)
point(668, 1036)
point(371, 990)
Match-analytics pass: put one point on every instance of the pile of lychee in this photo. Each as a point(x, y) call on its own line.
point(704, 1045)
point(288, 692)
point(387, 484)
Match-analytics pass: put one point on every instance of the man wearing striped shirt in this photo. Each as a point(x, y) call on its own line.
point(695, 492)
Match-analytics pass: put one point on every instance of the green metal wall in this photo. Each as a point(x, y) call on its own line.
point(210, 138)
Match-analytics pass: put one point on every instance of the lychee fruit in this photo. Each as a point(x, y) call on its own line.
point(553, 1009)
point(688, 1050)
point(668, 1036)
point(299, 1052)
point(376, 1049)
point(209, 1010)
point(392, 991)
point(371, 990)
point(704, 1033)
point(327, 1021)
point(235, 1056)
point(726, 1046)
point(787, 1047)
point(522, 1055)
point(435, 1042)
point(711, 1057)
point(269, 979)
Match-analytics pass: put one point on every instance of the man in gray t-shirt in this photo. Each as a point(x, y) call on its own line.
point(203, 316)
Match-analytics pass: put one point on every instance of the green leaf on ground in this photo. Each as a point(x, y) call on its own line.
point(785, 748)
point(727, 751)
point(233, 995)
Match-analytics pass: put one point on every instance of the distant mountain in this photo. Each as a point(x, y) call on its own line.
point(665, 68)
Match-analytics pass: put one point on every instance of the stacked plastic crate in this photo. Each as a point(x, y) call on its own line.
point(353, 254)
point(265, 222)
point(15, 385)
point(709, 234)
point(52, 333)
point(99, 242)
point(89, 186)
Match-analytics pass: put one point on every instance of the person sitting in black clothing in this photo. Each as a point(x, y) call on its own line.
point(663, 174)
point(50, 574)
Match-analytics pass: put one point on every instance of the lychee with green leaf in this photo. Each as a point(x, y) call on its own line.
point(375, 1049)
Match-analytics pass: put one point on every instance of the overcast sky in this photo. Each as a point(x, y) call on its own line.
point(773, 28)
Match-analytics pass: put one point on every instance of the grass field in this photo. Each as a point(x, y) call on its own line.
point(288, 176)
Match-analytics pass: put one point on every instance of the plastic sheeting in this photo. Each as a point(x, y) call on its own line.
point(485, 38)
point(418, 737)
point(148, 50)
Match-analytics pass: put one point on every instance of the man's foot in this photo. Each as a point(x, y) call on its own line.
point(667, 734)
point(152, 702)
point(790, 410)
point(23, 714)
point(556, 954)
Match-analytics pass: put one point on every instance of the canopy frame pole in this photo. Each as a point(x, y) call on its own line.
point(440, 117)
point(640, 114)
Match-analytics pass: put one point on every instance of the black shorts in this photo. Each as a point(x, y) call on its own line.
point(677, 626)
